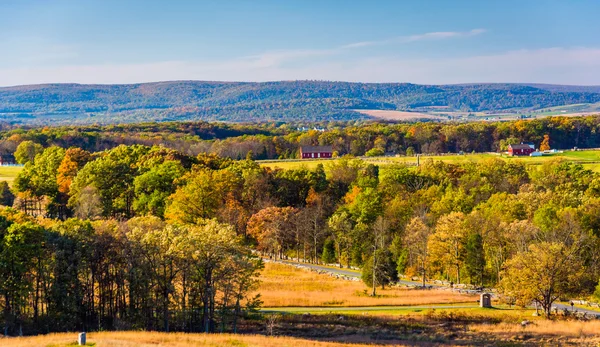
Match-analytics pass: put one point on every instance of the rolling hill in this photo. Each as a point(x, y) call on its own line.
point(269, 101)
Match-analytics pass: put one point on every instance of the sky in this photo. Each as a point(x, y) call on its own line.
point(425, 41)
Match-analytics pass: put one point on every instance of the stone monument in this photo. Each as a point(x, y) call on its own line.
point(485, 300)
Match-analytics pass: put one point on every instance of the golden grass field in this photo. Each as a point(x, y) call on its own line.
point(552, 332)
point(8, 173)
point(145, 339)
point(286, 286)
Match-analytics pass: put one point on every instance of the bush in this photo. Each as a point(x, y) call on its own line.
point(374, 152)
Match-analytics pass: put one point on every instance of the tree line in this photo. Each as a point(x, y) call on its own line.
point(278, 140)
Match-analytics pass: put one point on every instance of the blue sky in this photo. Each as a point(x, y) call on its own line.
point(127, 41)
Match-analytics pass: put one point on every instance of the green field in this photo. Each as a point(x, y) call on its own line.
point(589, 158)
point(8, 173)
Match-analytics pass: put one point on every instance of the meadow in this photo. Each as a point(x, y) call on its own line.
point(287, 286)
point(590, 159)
point(144, 339)
point(9, 173)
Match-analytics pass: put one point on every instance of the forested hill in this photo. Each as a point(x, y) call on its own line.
point(283, 101)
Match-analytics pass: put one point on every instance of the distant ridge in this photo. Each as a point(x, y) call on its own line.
point(269, 101)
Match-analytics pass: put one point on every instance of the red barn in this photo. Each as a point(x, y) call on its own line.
point(521, 149)
point(316, 152)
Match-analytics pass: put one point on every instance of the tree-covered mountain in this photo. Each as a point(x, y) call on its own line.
point(282, 101)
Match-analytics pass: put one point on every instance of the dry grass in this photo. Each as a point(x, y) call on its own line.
point(143, 339)
point(287, 286)
point(585, 331)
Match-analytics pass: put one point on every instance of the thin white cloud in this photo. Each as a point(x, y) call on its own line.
point(578, 65)
point(275, 58)
point(438, 35)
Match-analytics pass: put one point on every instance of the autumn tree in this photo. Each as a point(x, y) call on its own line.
point(272, 228)
point(447, 244)
point(545, 145)
point(416, 239)
point(74, 159)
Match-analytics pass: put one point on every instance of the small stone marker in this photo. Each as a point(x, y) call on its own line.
point(485, 300)
point(81, 341)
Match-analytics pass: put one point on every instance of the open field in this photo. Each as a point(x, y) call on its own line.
point(400, 115)
point(143, 339)
point(590, 159)
point(551, 332)
point(433, 330)
point(287, 286)
point(8, 173)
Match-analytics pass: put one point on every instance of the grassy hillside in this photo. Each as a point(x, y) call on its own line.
point(283, 101)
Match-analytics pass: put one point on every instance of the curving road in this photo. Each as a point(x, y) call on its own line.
point(356, 274)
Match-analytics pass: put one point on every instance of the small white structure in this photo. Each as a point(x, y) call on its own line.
point(82, 339)
point(536, 154)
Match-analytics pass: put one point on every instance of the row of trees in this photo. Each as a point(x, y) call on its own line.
point(139, 274)
point(282, 140)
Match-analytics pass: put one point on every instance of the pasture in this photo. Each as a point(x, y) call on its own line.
point(287, 286)
point(590, 159)
point(9, 173)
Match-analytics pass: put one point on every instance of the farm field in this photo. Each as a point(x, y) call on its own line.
point(590, 159)
point(287, 286)
point(400, 115)
point(8, 173)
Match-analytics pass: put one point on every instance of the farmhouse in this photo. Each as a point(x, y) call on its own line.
point(7, 159)
point(521, 149)
point(316, 152)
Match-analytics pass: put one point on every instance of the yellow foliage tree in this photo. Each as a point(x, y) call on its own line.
point(542, 274)
point(545, 145)
point(446, 244)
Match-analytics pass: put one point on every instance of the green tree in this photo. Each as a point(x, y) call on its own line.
point(385, 269)
point(26, 152)
point(153, 187)
point(328, 254)
point(20, 247)
point(6, 196)
point(38, 180)
point(201, 196)
point(112, 176)
point(475, 258)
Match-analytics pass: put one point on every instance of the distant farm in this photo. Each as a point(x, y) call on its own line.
point(590, 159)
